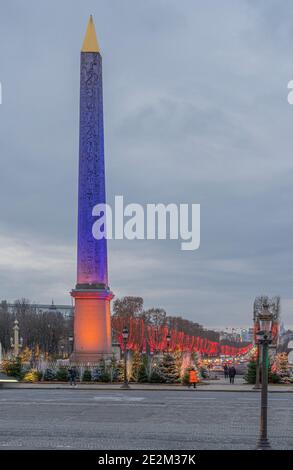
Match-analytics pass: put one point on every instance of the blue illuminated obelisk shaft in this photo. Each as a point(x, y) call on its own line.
point(92, 253)
point(92, 320)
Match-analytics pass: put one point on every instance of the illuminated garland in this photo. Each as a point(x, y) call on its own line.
point(141, 335)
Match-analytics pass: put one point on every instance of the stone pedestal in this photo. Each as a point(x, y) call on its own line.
point(92, 325)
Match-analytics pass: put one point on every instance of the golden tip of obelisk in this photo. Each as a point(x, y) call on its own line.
point(90, 42)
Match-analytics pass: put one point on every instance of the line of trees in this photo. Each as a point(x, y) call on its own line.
point(132, 307)
point(50, 330)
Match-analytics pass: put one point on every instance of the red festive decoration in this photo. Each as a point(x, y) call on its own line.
point(141, 335)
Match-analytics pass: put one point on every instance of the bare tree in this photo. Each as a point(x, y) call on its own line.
point(128, 306)
point(154, 316)
point(38, 329)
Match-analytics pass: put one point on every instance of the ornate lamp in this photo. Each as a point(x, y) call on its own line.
point(264, 337)
point(168, 339)
point(125, 334)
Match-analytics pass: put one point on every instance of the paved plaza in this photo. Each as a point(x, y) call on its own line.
point(139, 419)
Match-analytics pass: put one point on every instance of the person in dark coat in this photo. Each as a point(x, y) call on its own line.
point(226, 371)
point(232, 373)
point(72, 376)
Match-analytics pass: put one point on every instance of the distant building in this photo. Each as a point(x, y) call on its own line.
point(66, 310)
point(247, 334)
point(244, 335)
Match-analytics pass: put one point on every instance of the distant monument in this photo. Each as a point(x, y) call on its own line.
point(92, 320)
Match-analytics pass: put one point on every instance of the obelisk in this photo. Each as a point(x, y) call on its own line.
point(92, 322)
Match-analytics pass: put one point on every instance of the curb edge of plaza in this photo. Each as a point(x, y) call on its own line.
point(16, 386)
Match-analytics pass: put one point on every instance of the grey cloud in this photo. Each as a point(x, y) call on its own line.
point(195, 111)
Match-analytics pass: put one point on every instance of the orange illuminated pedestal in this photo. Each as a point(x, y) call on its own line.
point(92, 325)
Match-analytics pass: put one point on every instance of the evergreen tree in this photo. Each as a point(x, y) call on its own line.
point(105, 375)
point(13, 367)
point(143, 370)
point(281, 366)
point(273, 377)
point(113, 368)
point(120, 371)
point(87, 376)
point(168, 370)
point(49, 375)
point(25, 355)
point(178, 358)
point(62, 374)
point(156, 377)
point(135, 366)
point(250, 376)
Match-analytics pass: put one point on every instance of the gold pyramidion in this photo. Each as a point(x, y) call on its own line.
point(90, 42)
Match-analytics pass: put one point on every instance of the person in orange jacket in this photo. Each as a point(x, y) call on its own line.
point(193, 377)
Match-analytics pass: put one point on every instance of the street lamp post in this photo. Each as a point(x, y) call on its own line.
point(151, 363)
point(33, 357)
point(257, 385)
point(257, 369)
point(168, 339)
point(264, 339)
point(70, 339)
point(125, 335)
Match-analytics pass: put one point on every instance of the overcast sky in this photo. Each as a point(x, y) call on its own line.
point(195, 110)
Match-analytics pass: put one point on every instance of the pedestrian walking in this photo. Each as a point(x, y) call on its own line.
point(232, 373)
point(193, 378)
point(72, 376)
point(226, 371)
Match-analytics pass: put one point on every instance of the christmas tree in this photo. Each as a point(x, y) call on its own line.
point(250, 376)
point(87, 376)
point(104, 371)
point(143, 370)
point(135, 366)
point(113, 370)
point(281, 365)
point(138, 367)
point(120, 371)
point(156, 377)
point(167, 369)
point(13, 367)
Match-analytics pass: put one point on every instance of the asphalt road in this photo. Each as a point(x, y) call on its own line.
point(78, 419)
